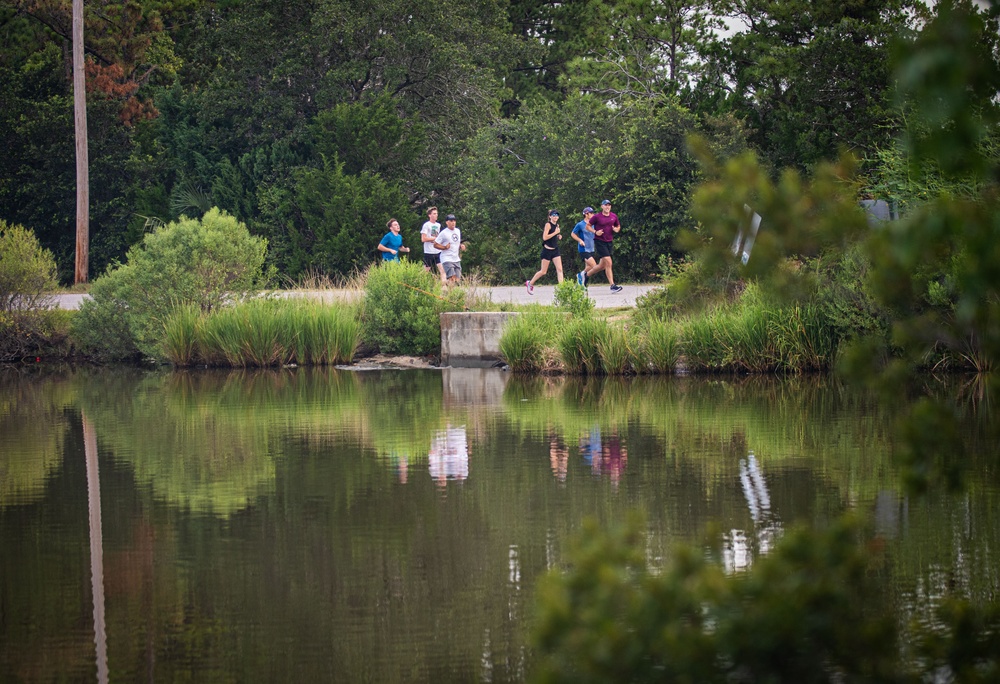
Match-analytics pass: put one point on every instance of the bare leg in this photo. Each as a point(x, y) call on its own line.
point(607, 271)
point(559, 273)
point(541, 271)
point(598, 267)
point(444, 279)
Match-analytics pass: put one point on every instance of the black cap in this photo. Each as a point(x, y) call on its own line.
point(449, 217)
point(553, 212)
point(603, 202)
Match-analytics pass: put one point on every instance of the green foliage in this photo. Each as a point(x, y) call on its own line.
point(846, 298)
point(617, 349)
point(332, 221)
point(526, 340)
point(262, 332)
point(181, 334)
point(205, 263)
point(659, 347)
point(28, 324)
point(401, 311)
point(809, 78)
point(809, 611)
point(574, 155)
point(27, 271)
point(758, 334)
point(688, 286)
point(578, 345)
point(38, 169)
point(369, 137)
point(573, 298)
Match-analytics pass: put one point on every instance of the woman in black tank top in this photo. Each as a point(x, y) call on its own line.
point(550, 251)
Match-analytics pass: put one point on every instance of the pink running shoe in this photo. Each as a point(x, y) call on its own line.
point(531, 288)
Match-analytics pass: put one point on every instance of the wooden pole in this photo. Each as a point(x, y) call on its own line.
point(82, 161)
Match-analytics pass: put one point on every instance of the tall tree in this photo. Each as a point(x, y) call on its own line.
point(82, 163)
point(809, 78)
point(646, 49)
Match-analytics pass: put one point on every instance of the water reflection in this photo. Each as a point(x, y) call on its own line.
point(449, 455)
point(741, 546)
point(279, 524)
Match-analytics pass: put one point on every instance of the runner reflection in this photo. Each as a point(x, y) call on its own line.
point(558, 456)
point(449, 455)
point(607, 456)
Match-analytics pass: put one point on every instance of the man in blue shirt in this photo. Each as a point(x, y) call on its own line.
point(392, 244)
point(586, 240)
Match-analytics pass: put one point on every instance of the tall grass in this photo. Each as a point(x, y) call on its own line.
point(578, 345)
point(758, 336)
point(526, 340)
point(615, 348)
point(703, 345)
point(262, 333)
point(181, 331)
point(660, 347)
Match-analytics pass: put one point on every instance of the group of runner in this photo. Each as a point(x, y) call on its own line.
point(594, 236)
point(443, 247)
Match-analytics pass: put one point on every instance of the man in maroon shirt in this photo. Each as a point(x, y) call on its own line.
point(603, 225)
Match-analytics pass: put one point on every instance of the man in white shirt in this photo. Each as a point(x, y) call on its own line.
point(428, 234)
point(449, 241)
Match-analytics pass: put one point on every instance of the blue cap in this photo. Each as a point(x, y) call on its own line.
point(603, 202)
point(588, 210)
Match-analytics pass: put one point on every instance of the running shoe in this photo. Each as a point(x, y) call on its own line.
point(531, 288)
point(581, 278)
point(616, 288)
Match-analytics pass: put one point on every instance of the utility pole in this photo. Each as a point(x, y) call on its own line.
point(82, 161)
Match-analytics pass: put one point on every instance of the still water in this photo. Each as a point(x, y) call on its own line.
point(390, 526)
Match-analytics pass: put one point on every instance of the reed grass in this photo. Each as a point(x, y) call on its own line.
point(704, 349)
point(617, 356)
point(526, 340)
point(660, 347)
point(180, 335)
point(578, 346)
point(758, 336)
point(264, 333)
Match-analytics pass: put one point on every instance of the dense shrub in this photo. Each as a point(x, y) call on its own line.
point(811, 610)
point(28, 324)
point(205, 263)
point(402, 306)
point(573, 298)
point(27, 271)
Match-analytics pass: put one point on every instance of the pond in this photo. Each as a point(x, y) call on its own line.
point(386, 525)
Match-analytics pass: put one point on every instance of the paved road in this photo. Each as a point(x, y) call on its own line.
point(602, 295)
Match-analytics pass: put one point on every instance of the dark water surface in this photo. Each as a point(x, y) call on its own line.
point(390, 526)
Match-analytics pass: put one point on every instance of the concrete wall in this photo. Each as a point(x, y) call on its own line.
point(471, 339)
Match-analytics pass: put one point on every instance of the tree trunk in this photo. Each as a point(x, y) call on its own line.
point(82, 162)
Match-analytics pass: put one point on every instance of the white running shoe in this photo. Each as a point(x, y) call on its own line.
point(531, 288)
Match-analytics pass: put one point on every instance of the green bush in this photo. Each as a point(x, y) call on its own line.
point(573, 298)
point(28, 324)
point(205, 263)
point(812, 610)
point(402, 306)
point(27, 271)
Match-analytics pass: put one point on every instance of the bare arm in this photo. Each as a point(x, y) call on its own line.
point(549, 231)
